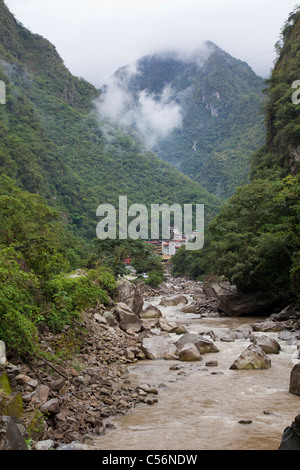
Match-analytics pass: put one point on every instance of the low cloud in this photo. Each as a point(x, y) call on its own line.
point(154, 116)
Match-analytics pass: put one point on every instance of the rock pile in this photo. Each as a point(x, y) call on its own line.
point(66, 405)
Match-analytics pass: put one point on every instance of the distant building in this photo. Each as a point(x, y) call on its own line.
point(168, 248)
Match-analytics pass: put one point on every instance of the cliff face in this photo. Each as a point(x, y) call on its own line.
point(282, 148)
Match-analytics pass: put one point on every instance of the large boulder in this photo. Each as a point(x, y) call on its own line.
point(130, 295)
point(236, 303)
point(189, 352)
point(173, 301)
point(291, 311)
point(215, 289)
point(252, 358)
point(291, 337)
point(127, 319)
point(205, 346)
point(158, 347)
point(291, 436)
point(267, 344)
point(150, 312)
point(186, 338)
point(266, 326)
point(10, 435)
point(202, 344)
point(192, 307)
point(295, 380)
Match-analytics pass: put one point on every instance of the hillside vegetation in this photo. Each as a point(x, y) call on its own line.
point(254, 241)
point(59, 160)
point(220, 103)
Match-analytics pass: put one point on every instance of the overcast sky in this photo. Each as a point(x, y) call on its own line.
point(96, 37)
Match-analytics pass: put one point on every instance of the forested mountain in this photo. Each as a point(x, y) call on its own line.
point(55, 143)
point(219, 122)
point(59, 160)
point(255, 240)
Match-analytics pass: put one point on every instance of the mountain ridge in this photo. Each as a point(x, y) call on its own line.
point(219, 112)
point(55, 143)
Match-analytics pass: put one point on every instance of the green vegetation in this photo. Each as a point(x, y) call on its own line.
point(53, 141)
point(59, 160)
point(221, 103)
point(36, 255)
point(255, 240)
point(111, 253)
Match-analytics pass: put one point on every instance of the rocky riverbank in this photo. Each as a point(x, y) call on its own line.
point(69, 405)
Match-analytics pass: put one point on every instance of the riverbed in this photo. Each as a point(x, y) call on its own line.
point(209, 408)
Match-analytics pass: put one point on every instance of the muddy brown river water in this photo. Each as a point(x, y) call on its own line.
point(199, 407)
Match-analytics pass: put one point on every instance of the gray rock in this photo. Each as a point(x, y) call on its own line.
point(164, 325)
point(22, 379)
point(33, 383)
point(229, 337)
point(10, 435)
point(291, 436)
point(189, 352)
point(295, 380)
point(252, 358)
point(56, 385)
point(44, 445)
point(173, 301)
point(237, 303)
point(75, 446)
point(190, 308)
point(42, 392)
point(157, 347)
point(51, 407)
point(210, 333)
point(100, 319)
point(109, 317)
point(268, 345)
point(212, 364)
point(186, 338)
point(205, 346)
point(267, 325)
point(214, 289)
point(130, 295)
point(289, 336)
point(127, 319)
point(291, 311)
point(150, 312)
point(202, 344)
point(179, 330)
point(243, 332)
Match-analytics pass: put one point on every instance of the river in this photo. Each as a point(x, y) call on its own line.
point(199, 407)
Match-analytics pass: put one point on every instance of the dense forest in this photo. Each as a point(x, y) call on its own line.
point(59, 160)
point(254, 241)
point(220, 102)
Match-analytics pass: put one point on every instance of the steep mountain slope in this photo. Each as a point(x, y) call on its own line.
point(55, 143)
point(255, 240)
point(282, 146)
point(216, 105)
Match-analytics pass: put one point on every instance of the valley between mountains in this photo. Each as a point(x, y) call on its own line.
point(121, 342)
